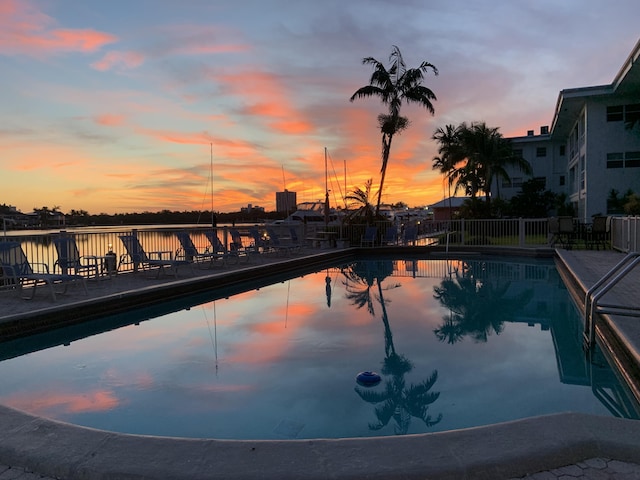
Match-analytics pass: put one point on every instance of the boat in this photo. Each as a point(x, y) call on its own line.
point(311, 212)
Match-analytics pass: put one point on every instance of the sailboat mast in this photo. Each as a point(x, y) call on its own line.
point(326, 189)
point(213, 218)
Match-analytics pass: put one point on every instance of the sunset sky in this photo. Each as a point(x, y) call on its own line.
point(122, 106)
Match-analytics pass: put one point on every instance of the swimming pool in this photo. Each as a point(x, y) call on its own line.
point(457, 343)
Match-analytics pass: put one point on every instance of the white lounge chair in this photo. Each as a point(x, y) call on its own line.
point(18, 272)
point(138, 257)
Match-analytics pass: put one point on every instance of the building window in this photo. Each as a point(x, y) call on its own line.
point(516, 182)
point(632, 159)
point(517, 152)
point(541, 152)
point(632, 113)
point(563, 149)
point(562, 180)
point(615, 114)
point(615, 160)
point(541, 181)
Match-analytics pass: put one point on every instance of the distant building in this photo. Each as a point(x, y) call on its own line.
point(589, 149)
point(251, 208)
point(449, 208)
point(286, 202)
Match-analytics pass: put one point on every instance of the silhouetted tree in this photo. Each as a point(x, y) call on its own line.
point(395, 86)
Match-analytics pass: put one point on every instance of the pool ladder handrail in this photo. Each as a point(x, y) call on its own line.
point(602, 286)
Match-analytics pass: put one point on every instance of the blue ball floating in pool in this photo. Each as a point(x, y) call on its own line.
point(368, 379)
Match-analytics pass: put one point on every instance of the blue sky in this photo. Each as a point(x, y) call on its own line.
point(117, 106)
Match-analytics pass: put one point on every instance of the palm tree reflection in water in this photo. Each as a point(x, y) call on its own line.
point(396, 401)
point(477, 305)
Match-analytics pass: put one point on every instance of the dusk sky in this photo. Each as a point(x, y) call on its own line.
point(116, 106)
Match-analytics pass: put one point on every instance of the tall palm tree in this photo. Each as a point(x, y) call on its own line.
point(395, 86)
point(486, 155)
point(450, 154)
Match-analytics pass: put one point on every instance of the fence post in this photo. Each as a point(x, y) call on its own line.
point(521, 231)
point(462, 231)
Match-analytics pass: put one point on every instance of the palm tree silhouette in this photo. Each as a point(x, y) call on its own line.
point(478, 306)
point(397, 401)
point(395, 87)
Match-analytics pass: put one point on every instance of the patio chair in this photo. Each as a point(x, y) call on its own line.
point(190, 252)
point(599, 233)
point(138, 257)
point(390, 236)
point(17, 270)
point(70, 261)
point(369, 237)
point(409, 235)
point(561, 230)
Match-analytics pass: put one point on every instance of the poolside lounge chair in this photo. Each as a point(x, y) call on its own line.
point(70, 261)
point(216, 246)
point(238, 248)
point(190, 252)
point(280, 246)
point(17, 271)
point(369, 237)
point(138, 257)
point(295, 240)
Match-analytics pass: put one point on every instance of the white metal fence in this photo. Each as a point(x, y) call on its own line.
point(39, 247)
point(625, 233)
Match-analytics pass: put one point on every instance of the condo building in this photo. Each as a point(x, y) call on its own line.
point(591, 147)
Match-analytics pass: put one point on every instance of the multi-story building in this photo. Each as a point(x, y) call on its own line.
point(589, 148)
point(286, 202)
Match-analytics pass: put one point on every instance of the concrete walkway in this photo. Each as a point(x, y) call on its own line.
point(562, 446)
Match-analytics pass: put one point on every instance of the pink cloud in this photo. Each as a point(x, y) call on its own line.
point(109, 120)
point(267, 98)
point(114, 59)
point(26, 30)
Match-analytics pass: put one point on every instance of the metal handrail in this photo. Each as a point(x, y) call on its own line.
point(602, 286)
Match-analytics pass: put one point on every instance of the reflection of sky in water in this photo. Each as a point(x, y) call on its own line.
point(279, 363)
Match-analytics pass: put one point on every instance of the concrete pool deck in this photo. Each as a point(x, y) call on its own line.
point(557, 446)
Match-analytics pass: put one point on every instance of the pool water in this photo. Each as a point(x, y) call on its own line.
point(457, 343)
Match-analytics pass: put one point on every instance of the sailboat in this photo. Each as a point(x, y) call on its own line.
point(318, 212)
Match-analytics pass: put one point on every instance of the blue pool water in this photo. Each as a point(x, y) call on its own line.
point(458, 343)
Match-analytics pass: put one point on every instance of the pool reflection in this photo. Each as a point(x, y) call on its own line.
point(458, 344)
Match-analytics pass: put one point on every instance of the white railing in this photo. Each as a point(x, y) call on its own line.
point(625, 233)
point(39, 248)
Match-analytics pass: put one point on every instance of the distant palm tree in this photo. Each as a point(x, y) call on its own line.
point(359, 204)
point(486, 155)
point(395, 87)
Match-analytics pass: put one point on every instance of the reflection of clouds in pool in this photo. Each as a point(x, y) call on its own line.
point(49, 403)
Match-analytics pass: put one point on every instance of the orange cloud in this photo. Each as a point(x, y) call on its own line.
point(26, 30)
